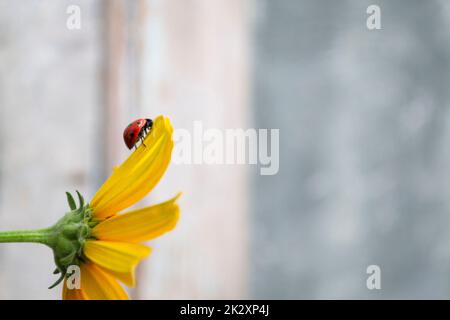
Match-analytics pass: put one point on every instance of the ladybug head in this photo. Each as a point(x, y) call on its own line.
point(148, 123)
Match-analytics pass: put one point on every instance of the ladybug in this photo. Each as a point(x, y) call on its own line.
point(136, 131)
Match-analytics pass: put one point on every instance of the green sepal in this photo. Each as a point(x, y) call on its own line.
point(71, 201)
point(67, 260)
point(81, 200)
point(61, 278)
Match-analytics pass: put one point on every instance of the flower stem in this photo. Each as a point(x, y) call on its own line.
point(36, 236)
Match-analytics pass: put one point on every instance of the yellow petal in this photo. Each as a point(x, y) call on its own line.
point(139, 225)
point(72, 294)
point(127, 278)
point(120, 258)
point(138, 175)
point(96, 284)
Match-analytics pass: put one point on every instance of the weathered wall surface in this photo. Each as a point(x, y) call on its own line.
point(65, 97)
point(364, 176)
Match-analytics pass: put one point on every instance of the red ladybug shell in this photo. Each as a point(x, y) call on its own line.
point(133, 132)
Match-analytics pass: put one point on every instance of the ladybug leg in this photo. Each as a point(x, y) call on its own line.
point(142, 139)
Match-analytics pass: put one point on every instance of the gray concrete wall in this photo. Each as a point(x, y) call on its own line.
point(364, 171)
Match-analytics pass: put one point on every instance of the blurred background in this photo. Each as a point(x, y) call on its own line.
point(364, 173)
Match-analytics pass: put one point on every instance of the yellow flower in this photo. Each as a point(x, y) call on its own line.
point(114, 246)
